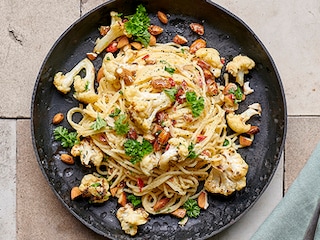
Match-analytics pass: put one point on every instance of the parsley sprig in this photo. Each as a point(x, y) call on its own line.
point(193, 210)
point(121, 125)
point(98, 124)
point(136, 201)
point(196, 103)
point(137, 150)
point(67, 139)
point(137, 25)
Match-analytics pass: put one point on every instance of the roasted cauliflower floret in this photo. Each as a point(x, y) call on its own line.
point(63, 82)
point(229, 175)
point(148, 163)
point(130, 219)
point(116, 30)
point(143, 106)
point(95, 188)
point(84, 87)
point(212, 57)
point(177, 151)
point(237, 122)
point(239, 66)
point(88, 152)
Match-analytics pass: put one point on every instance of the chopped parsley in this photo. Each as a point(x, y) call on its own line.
point(137, 25)
point(136, 201)
point(98, 123)
point(226, 142)
point(171, 93)
point(192, 154)
point(237, 93)
point(169, 70)
point(68, 139)
point(193, 210)
point(196, 103)
point(115, 113)
point(121, 125)
point(97, 184)
point(137, 150)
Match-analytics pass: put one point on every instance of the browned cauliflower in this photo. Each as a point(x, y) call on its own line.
point(229, 175)
point(212, 57)
point(237, 122)
point(116, 30)
point(130, 219)
point(88, 152)
point(143, 106)
point(84, 87)
point(95, 188)
point(239, 66)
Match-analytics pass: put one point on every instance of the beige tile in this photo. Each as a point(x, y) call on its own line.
point(30, 31)
point(40, 215)
point(8, 179)
point(302, 137)
point(87, 5)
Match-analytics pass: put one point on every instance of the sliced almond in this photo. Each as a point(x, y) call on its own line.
point(66, 158)
point(245, 141)
point(92, 56)
point(122, 41)
point(161, 204)
point(162, 17)
point(197, 44)
point(122, 200)
point(75, 193)
point(179, 213)
point(57, 118)
point(136, 45)
point(203, 200)
point(114, 191)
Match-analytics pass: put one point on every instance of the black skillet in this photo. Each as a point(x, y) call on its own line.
point(223, 31)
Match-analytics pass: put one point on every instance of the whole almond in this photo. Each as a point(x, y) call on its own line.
point(57, 118)
point(161, 204)
point(197, 28)
point(155, 30)
point(92, 56)
point(245, 141)
point(75, 193)
point(66, 158)
point(100, 74)
point(122, 41)
point(162, 17)
point(178, 39)
point(197, 44)
point(153, 40)
point(179, 213)
point(203, 200)
point(136, 45)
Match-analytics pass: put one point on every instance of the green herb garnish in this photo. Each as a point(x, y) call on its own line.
point(196, 103)
point(137, 25)
point(115, 113)
point(98, 123)
point(237, 93)
point(68, 139)
point(137, 150)
point(95, 185)
point(169, 70)
point(171, 93)
point(193, 210)
point(226, 142)
point(136, 201)
point(121, 125)
point(192, 154)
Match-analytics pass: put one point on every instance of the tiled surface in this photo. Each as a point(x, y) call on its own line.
point(28, 207)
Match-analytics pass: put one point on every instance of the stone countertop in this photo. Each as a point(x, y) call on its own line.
point(28, 207)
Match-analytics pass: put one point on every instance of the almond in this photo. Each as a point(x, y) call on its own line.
point(66, 158)
point(104, 30)
point(75, 193)
point(153, 40)
point(203, 200)
point(197, 28)
point(162, 17)
point(114, 191)
point(253, 130)
point(161, 204)
point(100, 74)
point(136, 45)
point(163, 137)
point(179, 213)
point(57, 118)
point(92, 56)
point(155, 30)
point(122, 41)
point(122, 200)
point(197, 44)
point(245, 141)
point(178, 39)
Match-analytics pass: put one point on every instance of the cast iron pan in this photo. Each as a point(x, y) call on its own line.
point(223, 31)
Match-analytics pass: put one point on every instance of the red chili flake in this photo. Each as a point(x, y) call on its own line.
point(103, 138)
point(167, 147)
point(172, 82)
point(146, 56)
point(200, 138)
point(223, 60)
point(112, 47)
point(140, 184)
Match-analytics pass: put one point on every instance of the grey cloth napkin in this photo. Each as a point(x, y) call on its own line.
point(291, 217)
